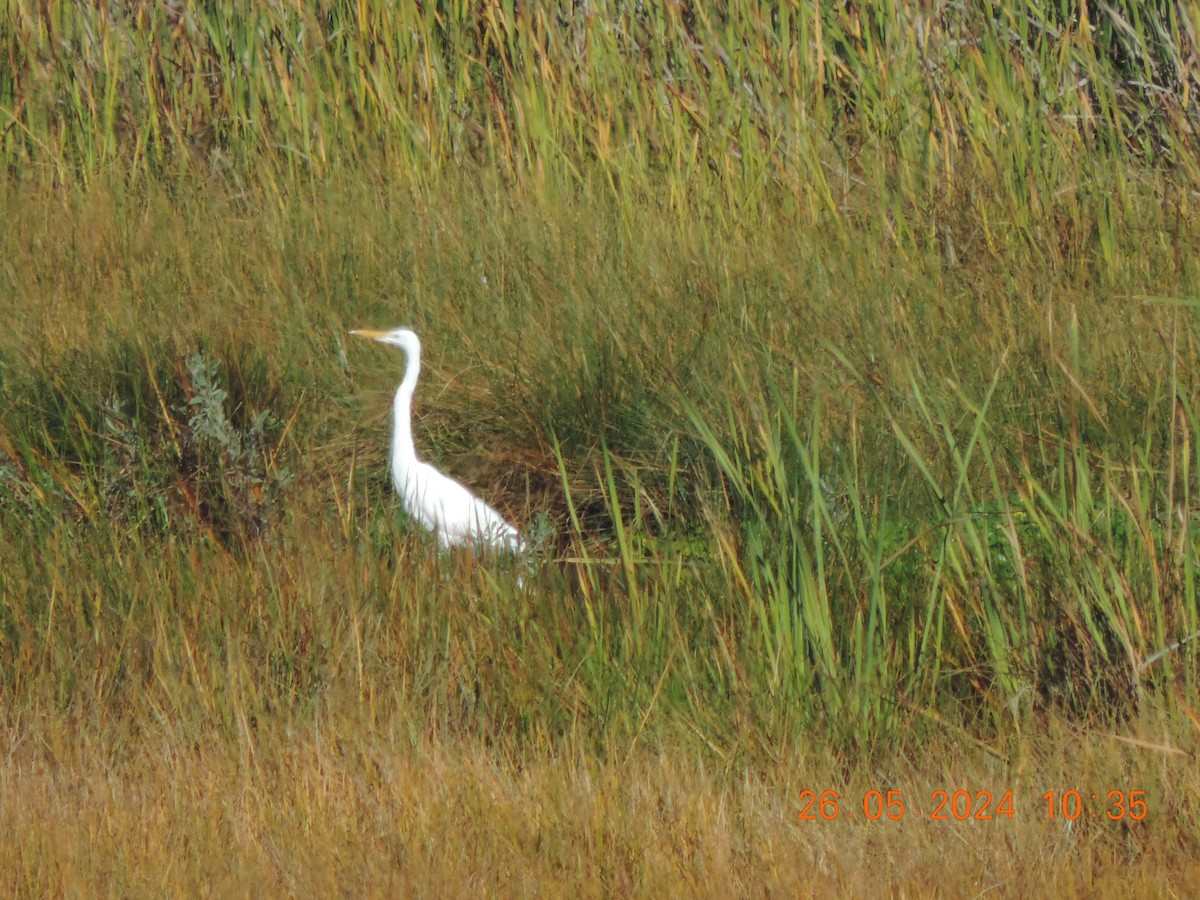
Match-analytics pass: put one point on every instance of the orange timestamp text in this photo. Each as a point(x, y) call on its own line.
point(963, 805)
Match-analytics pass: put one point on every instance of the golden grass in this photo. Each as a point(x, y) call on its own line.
point(346, 806)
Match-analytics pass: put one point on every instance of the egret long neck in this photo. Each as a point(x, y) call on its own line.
point(404, 453)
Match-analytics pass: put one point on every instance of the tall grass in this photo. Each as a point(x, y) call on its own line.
point(838, 528)
point(840, 363)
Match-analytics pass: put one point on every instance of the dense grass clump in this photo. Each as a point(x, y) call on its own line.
point(839, 362)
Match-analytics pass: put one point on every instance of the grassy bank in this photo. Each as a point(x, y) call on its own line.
point(843, 374)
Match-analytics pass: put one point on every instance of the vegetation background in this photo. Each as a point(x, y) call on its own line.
point(839, 359)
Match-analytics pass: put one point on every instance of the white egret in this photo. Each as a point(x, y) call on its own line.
point(437, 501)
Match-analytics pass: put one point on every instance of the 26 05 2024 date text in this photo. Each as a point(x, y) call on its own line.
point(963, 805)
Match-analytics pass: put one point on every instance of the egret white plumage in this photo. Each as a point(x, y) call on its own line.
point(437, 501)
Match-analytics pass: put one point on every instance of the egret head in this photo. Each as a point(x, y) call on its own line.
point(404, 338)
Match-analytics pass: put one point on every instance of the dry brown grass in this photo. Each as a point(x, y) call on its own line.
point(354, 808)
